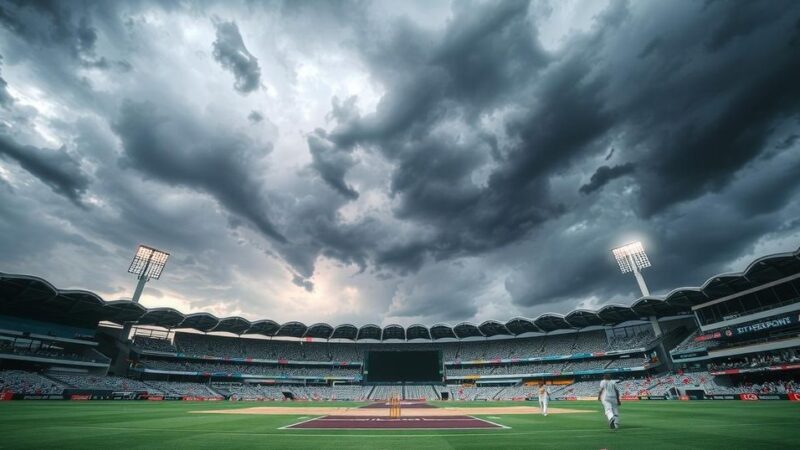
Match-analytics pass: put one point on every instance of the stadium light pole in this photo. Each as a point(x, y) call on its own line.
point(632, 258)
point(148, 263)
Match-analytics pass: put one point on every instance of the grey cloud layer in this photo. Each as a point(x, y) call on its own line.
point(483, 174)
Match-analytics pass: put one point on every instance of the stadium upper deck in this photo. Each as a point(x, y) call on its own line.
point(635, 338)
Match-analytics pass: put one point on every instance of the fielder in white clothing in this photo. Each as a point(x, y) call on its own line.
point(609, 397)
point(544, 398)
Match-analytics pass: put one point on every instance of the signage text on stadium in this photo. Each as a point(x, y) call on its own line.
point(767, 324)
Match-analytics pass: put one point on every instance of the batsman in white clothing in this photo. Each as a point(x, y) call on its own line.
point(609, 397)
point(544, 398)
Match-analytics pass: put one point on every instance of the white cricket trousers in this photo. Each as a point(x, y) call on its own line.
point(611, 409)
point(543, 404)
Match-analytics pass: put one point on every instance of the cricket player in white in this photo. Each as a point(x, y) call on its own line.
point(609, 397)
point(544, 398)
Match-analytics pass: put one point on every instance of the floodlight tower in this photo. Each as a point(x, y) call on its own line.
point(147, 263)
point(632, 258)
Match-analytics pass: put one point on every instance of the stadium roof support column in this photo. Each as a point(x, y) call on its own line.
point(139, 288)
point(656, 326)
point(640, 279)
point(645, 293)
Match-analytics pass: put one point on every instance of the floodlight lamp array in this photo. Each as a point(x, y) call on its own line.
point(629, 255)
point(148, 262)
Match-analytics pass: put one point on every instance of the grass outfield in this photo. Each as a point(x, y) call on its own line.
point(646, 424)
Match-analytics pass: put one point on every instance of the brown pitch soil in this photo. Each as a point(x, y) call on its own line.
point(383, 423)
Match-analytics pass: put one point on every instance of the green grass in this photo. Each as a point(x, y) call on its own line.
point(645, 425)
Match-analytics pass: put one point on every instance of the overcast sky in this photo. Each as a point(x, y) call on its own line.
point(398, 161)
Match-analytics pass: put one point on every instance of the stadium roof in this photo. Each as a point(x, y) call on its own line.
point(264, 327)
point(418, 331)
point(345, 331)
point(33, 297)
point(319, 330)
point(393, 331)
point(370, 331)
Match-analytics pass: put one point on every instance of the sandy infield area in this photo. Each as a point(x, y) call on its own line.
point(378, 412)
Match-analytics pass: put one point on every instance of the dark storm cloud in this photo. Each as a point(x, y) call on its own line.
point(27, 232)
point(688, 228)
point(62, 25)
point(699, 122)
point(55, 168)
point(230, 52)
point(41, 22)
point(405, 257)
point(330, 163)
point(303, 283)
point(255, 117)
point(704, 104)
point(485, 57)
point(604, 174)
point(5, 97)
point(487, 53)
point(767, 194)
point(180, 151)
point(317, 230)
point(788, 142)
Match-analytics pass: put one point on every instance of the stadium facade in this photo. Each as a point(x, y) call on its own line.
point(735, 336)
